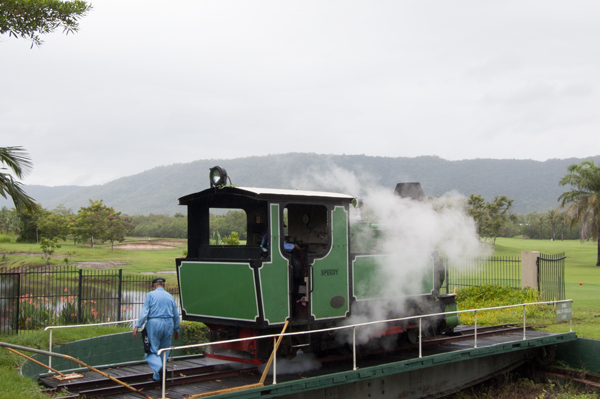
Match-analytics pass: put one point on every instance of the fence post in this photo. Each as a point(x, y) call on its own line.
point(524, 323)
point(420, 338)
point(354, 348)
point(119, 295)
point(18, 301)
point(475, 331)
point(447, 276)
point(80, 290)
point(529, 270)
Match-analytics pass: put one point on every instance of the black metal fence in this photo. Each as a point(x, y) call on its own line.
point(551, 276)
point(39, 297)
point(498, 270)
point(506, 271)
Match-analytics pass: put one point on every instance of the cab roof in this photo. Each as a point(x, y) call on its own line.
point(269, 194)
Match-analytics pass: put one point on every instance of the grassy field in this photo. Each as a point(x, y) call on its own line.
point(580, 267)
point(132, 261)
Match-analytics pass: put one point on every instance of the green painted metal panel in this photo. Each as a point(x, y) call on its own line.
point(581, 354)
point(330, 274)
point(224, 290)
point(274, 277)
point(370, 279)
point(452, 320)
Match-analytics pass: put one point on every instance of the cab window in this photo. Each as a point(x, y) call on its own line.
point(228, 226)
point(306, 225)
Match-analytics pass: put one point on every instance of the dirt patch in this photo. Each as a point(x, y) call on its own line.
point(169, 242)
point(143, 247)
point(101, 265)
point(25, 254)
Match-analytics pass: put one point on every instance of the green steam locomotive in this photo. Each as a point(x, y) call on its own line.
point(303, 262)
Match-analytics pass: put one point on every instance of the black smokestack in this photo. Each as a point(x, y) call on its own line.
point(411, 190)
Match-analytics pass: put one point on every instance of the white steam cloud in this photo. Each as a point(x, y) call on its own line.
point(412, 231)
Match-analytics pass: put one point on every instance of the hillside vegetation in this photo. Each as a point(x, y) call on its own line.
point(532, 184)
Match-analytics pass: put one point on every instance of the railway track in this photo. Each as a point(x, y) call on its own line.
point(94, 387)
point(464, 334)
point(580, 377)
point(181, 373)
point(469, 333)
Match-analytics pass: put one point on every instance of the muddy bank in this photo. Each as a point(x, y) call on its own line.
point(144, 247)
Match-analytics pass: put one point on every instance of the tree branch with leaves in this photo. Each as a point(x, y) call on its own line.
point(29, 19)
point(15, 161)
point(489, 216)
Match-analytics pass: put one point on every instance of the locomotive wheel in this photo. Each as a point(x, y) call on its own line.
point(412, 336)
point(265, 349)
point(344, 350)
point(546, 355)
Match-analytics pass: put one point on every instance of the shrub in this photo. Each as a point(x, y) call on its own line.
point(34, 313)
point(5, 238)
point(68, 312)
point(488, 296)
point(193, 333)
point(233, 239)
point(48, 246)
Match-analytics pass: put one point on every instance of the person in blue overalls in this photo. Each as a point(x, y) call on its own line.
point(161, 317)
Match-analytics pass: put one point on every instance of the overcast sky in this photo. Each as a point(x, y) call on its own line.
point(151, 83)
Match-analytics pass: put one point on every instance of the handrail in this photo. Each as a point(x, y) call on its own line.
point(353, 326)
point(73, 326)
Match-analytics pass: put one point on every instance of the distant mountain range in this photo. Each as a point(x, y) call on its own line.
point(532, 184)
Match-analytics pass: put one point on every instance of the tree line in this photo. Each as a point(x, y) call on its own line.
point(163, 226)
point(494, 220)
point(94, 223)
point(100, 223)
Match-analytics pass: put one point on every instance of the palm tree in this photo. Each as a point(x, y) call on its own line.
point(562, 219)
point(16, 160)
point(584, 199)
point(552, 218)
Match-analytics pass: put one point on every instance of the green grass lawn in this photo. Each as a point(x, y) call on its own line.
point(580, 266)
point(13, 385)
point(134, 261)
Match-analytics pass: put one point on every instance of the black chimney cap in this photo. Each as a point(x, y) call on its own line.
point(411, 190)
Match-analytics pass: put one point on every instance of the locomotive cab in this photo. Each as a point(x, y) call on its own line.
point(293, 265)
